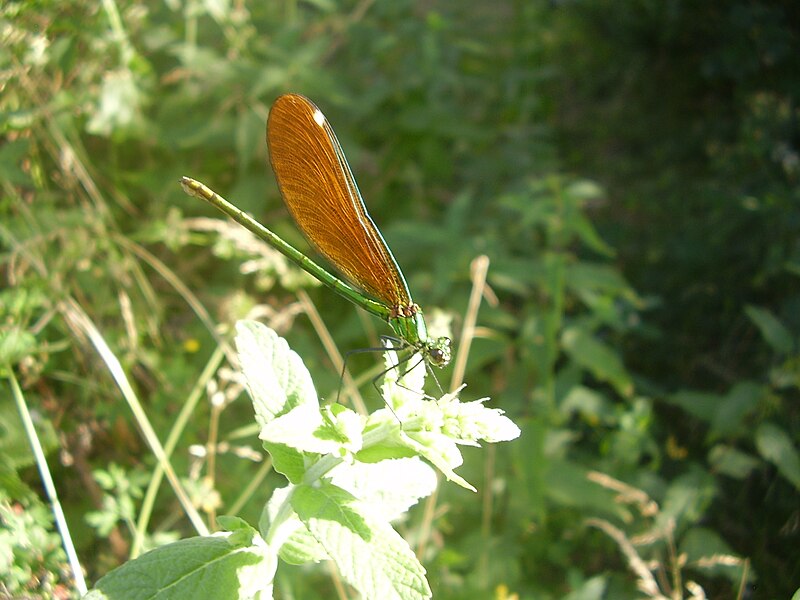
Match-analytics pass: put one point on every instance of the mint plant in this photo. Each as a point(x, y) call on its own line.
point(349, 476)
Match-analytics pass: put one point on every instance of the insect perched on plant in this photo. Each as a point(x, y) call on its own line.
point(320, 192)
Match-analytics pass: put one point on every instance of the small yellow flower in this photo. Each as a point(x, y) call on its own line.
point(674, 450)
point(501, 592)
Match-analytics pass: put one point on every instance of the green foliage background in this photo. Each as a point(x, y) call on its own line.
point(630, 168)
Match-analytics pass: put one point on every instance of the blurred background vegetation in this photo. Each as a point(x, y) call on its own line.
point(630, 168)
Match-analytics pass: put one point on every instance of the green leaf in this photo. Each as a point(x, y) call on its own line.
point(219, 567)
point(441, 451)
point(688, 497)
point(772, 330)
point(567, 484)
point(775, 445)
point(119, 106)
point(585, 276)
point(369, 554)
point(579, 193)
point(591, 589)
point(702, 405)
point(12, 156)
point(297, 545)
point(735, 407)
point(700, 542)
point(15, 344)
point(15, 447)
point(592, 405)
point(585, 230)
point(301, 548)
point(381, 452)
point(242, 532)
point(731, 462)
point(331, 503)
point(601, 360)
point(276, 377)
point(336, 431)
point(11, 483)
point(287, 461)
point(531, 465)
point(389, 488)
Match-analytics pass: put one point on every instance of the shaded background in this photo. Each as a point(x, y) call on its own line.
point(630, 168)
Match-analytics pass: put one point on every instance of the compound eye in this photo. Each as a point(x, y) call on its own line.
point(437, 356)
point(439, 353)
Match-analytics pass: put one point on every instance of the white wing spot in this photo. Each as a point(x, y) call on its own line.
point(319, 117)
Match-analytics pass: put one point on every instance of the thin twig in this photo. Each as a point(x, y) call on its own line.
point(254, 484)
point(646, 582)
point(81, 321)
point(478, 270)
point(47, 482)
point(169, 446)
point(428, 515)
point(628, 494)
point(217, 405)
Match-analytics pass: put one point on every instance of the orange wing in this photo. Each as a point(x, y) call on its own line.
point(320, 192)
